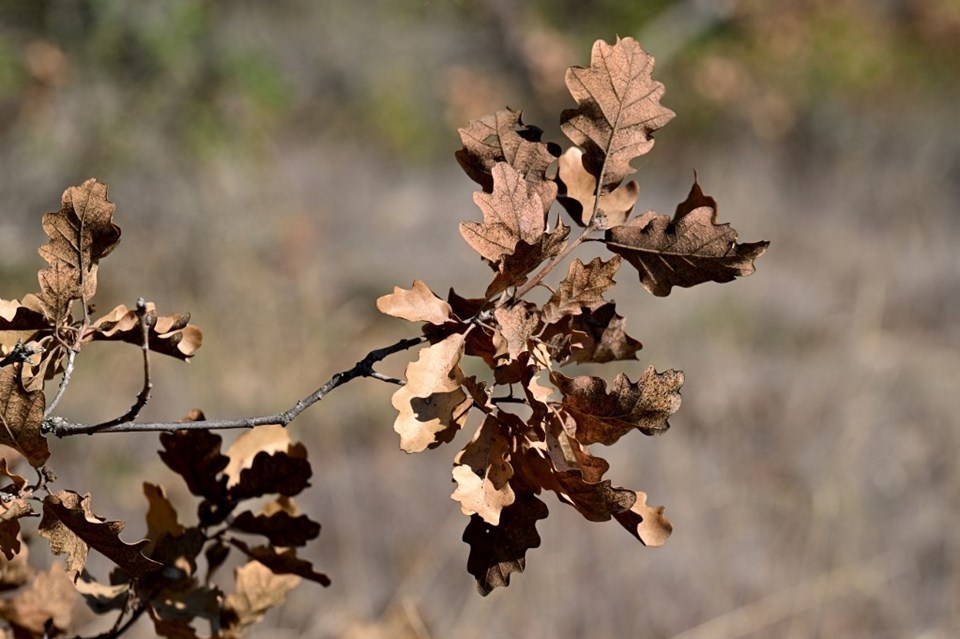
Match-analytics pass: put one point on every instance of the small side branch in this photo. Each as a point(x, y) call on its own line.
point(364, 368)
point(64, 382)
point(146, 323)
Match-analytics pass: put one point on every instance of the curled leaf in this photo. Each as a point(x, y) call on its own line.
point(580, 193)
point(171, 335)
point(688, 250)
point(482, 473)
point(646, 523)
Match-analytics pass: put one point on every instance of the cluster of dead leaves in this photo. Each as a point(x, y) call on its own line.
point(536, 424)
point(38, 331)
point(163, 575)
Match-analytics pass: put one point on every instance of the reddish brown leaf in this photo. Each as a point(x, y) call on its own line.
point(503, 137)
point(81, 233)
point(432, 398)
point(262, 439)
point(282, 561)
point(171, 335)
point(580, 194)
point(592, 337)
point(514, 269)
point(161, 517)
point(498, 551)
point(419, 304)
point(482, 472)
point(280, 528)
point(619, 108)
point(688, 250)
point(511, 212)
point(281, 472)
point(44, 608)
point(70, 526)
point(583, 287)
point(195, 456)
point(21, 415)
point(603, 417)
point(646, 523)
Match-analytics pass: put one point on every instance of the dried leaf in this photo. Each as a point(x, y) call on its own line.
point(102, 598)
point(603, 417)
point(171, 335)
point(15, 572)
point(591, 337)
point(161, 517)
point(44, 366)
point(280, 528)
point(688, 250)
point(646, 523)
point(21, 415)
point(11, 511)
point(580, 194)
point(258, 590)
point(432, 397)
point(419, 304)
point(81, 233)
point(514, 269)
point(21, 322)
point(518, 323)
point(482, 472)
point(195, 455)
point(512, 212)
point(44, 608)
point(282, 561)
point(619, 108)
point(503, 137)
point(498, 551)
point(583, 287)
point(71, 527)
point(262, 439)
point(284, 472)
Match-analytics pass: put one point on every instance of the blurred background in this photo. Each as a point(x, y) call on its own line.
point(277, 166)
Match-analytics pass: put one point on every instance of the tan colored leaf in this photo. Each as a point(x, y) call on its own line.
point(518, 323)
point(21, 415)
point(482, 472)
point(646, 523)
point(419, 304)
point(688, 250)
point(266, 439)
point(49, 598)
point(580, 194)
point(171, 335)
point(619, 108)
point(594, 336)
point(81, 233)
point(514, 269)
point(101, 598)
point(503, 137)
point(284, 472)
point(282, 561)
point(18, 480)
point(258, 590)
point(583, 286)
point(21, 322)
point(16, 571)
point(43, 366)
point(567, 453)
point(161, 517)
point(70, 526)
point(603, 417)
point(280, 528)
point(11, 511)
point(511, 213)
point(429, 402)
point(498, 551)
point(195, 455)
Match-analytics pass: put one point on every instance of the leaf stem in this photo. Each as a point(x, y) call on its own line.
point(364, 368)
point(64, 382)
point(530, 285)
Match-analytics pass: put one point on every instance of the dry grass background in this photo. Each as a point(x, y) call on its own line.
point(811, 474)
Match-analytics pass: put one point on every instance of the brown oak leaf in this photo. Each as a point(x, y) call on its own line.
point(21, 321)
point(619, 108)
point(432, 398)
point(262, 439)
point(604, 417)
point(258, 589)
point(512, 212)
point(583, 287)
point(195, 456)
point(171, 335)
point(161, 517)
point(280, 472)
point(579, 197)
point(498, 551)
point(71, 527)
point(21, 416)
point(482, 472)
point(280, 528)
point(15, 572)
point(419, 304)
point(514, 269)
point(595, 336)
point(518, 323)
point(688, 250)
point(503, 137)
point(81, 233)
point(646, 523)
point(44, 608)
point(282, 561)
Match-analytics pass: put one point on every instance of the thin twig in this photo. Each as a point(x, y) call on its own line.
point(21, 353)
point(529, 286)
point(147, 322)
point(64, 382)
point(364, 368)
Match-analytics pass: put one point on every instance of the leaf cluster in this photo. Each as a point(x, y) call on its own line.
point(536, 424)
